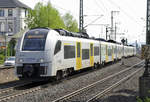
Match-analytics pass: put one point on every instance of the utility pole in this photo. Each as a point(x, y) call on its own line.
point(106, 32)
point(112, 18)
point(81, 20)
point(115, 30)
point(144, 81)
point(112, 22)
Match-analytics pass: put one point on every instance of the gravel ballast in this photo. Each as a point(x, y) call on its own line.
point(126, 92)
point(66, 86)
point(7, 75)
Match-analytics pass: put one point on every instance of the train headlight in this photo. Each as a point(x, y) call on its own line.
point(41, 60)
point(20, 60)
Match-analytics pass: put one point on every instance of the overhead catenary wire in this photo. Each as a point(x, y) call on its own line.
point(128, 15)
point(100, 6)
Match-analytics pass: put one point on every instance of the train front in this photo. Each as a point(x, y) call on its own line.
point(33, 58)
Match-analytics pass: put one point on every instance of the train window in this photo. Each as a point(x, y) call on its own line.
point(96, 51)
point(35, 40)
point(57, 47)
point(115, 49)
point(69, 51)
point(85, 54)
point(34, 44)
point(109, 51)
point(103, 51)
point(91, 47)
point(78, 50)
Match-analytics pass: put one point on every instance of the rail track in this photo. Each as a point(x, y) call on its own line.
point(14, 91)
point(11, 92)
point(105, 85)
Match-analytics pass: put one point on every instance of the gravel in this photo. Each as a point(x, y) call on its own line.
point(55, 91)
point(127, 92)
point(84, 96)
point(7, 75)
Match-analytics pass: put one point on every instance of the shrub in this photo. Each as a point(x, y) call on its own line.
point(145, 100)
point(2, 57)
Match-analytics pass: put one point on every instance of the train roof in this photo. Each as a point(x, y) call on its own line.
point(82, 35)
point(100, 39)
point(63, 32)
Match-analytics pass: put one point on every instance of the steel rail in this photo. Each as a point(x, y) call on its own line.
point(104, 92)
point(68, 96)
point(17, 93)
point(20, 93)
point(5, 90)
point(38, 88)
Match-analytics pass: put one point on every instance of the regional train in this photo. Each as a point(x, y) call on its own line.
point(43, 53)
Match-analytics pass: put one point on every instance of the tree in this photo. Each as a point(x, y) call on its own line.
point(11, 47)
point(48, 16)
point(70, 23)
point(44, 16)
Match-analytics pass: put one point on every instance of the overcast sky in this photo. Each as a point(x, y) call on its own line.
point(129, 20)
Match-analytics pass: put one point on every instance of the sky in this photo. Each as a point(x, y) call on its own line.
point(129, 16)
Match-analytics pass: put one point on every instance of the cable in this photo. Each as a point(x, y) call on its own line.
point(93, 21)
point(99, 6)
point(132, 18)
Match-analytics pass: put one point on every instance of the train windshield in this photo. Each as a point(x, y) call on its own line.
point(33, 45)
point(34, 41)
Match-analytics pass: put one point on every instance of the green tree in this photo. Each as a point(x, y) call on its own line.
point(44, 16)
point(11, 47)
point(70, 23)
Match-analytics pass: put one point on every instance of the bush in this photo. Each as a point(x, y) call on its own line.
point(145, 100)
point(2, 57)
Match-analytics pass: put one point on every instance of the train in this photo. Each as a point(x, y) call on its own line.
point(44, 53)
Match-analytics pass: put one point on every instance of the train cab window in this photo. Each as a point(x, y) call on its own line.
point(35, 40)
point(96, 51)
point(57, 47)
point(33, 44)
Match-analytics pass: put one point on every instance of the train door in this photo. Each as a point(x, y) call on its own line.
point(78, 56)
point(106, 60)
point(91, 55)
point(113, 57)
point(100, 48)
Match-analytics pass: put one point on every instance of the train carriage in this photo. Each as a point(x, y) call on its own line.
point(44, 53)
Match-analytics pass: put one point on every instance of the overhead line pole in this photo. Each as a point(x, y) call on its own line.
point(115, 31)
point(112, 24)
point(81, 20)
